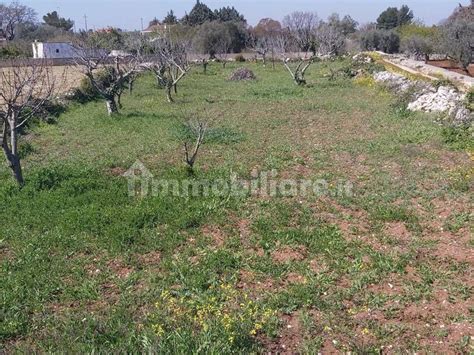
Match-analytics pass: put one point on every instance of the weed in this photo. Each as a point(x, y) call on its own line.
point(459, 138)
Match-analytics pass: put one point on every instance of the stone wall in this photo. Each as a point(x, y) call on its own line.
point(426, 97)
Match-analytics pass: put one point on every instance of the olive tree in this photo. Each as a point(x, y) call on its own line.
point(108, 76)
point(297, 68)
point(458, 41)
point(418, 47)
point(170, 63)
point(198, 129)
point(25, 88)
point(197, 125)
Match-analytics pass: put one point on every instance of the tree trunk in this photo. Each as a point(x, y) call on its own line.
point(264, 57)
point(119, 100)
point(224, 62)
point(130, 87)
point(168, 93)
point(204, 67)
point(300, 81)
point(175, 87)
point(11, 153)
point(111, 106)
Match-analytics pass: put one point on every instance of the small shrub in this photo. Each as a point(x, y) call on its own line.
point(443, 82)
point(10, 52)
point(85, 92)
point(242, 74)
point(400, 105)
point(346, 72)
point(25, 149)
point(459, 138)
point(360, 69)
point(240, 58)
point(470, 100)
point(49, 112)
point(372, 68)
point(365, 80)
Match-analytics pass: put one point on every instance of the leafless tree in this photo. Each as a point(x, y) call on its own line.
point(170, 64)
point(302, 26)
point(201, 59)
point(329, 40)
point(198, 129)
point(24, 90)
point(223, 47)
point(12, 15)
point(108, 76)
point(131, 82)
point(297, 67)
point(261, 45)
point(298, 71)
point(197, 123)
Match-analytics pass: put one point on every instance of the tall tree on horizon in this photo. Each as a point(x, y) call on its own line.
point(53, 19)
point(199, 14)
point(228, 14)
point(393, 17)
point(170, 18)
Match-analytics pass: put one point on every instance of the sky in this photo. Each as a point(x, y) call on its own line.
point(129, 14)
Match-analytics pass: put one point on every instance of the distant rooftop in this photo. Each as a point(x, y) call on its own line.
point(154, 28)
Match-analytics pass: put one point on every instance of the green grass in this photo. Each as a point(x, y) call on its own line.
point(86, 268)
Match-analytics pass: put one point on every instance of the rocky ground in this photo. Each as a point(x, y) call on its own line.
point(427, 97)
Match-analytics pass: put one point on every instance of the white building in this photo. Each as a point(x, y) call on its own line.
point(54, 50)
point(42, 50)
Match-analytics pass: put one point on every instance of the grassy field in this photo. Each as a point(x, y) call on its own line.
point(87, 268)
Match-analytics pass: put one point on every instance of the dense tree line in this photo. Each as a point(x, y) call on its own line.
point(225, 30)
point(395, 31)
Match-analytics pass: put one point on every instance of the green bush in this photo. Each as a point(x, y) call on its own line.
point(10, 52)
point(49, 112)
point(83, 93)
point(459, 138)
point(86, 92)
point(443, 82)
point(470, 100)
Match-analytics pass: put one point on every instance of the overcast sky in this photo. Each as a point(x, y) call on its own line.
point(128, 14)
